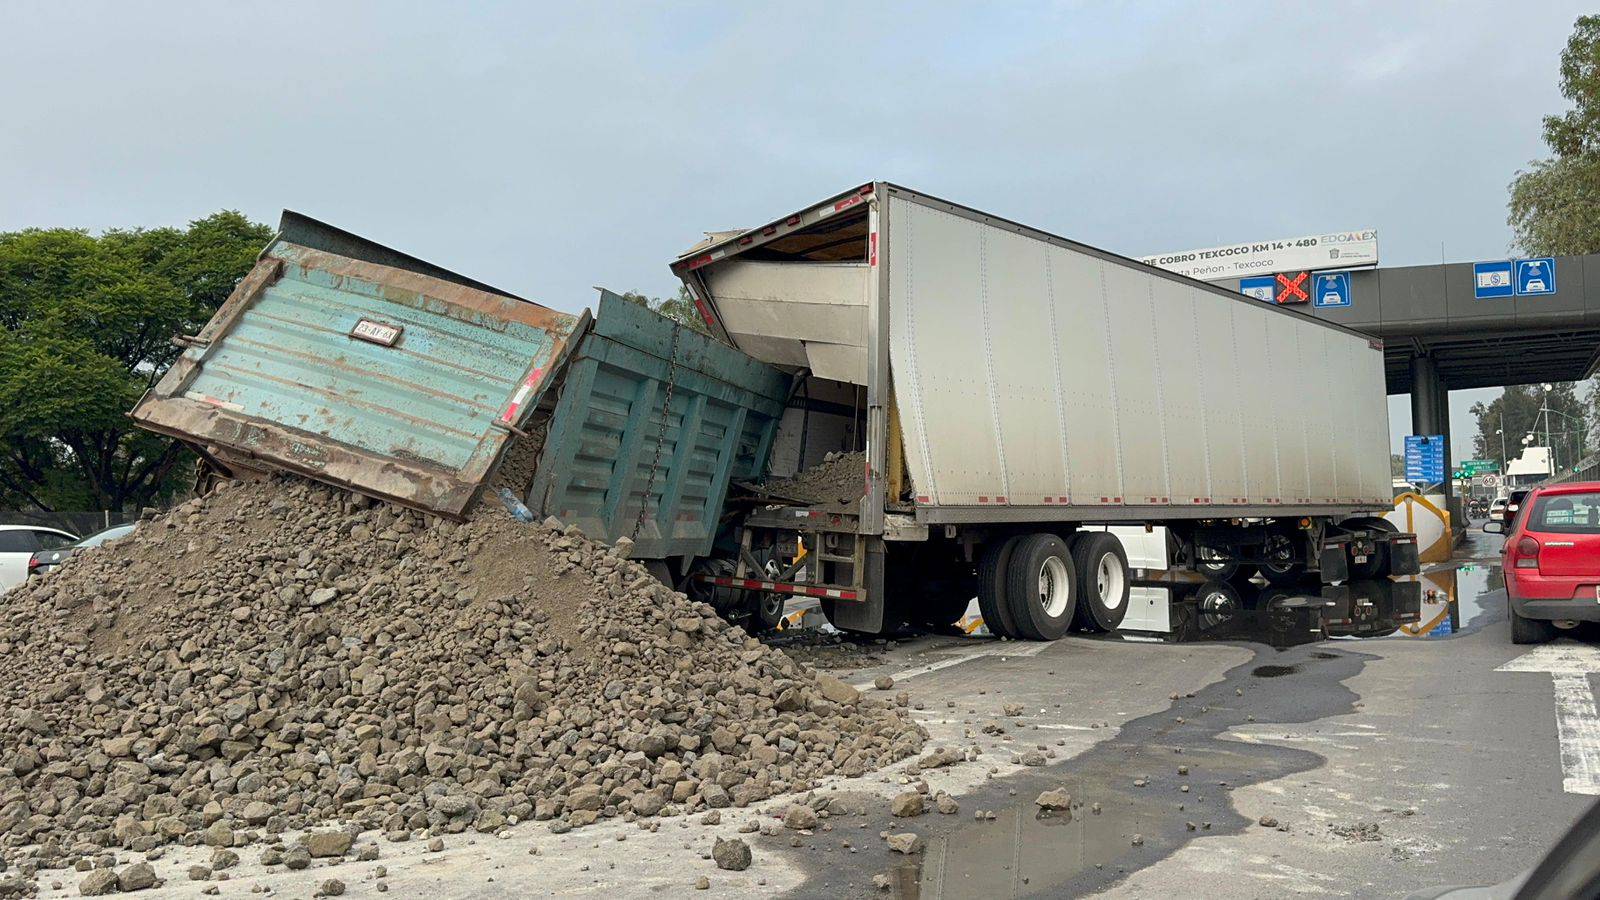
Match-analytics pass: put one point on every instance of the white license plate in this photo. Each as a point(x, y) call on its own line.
point(1361, 557)
point(376, 332)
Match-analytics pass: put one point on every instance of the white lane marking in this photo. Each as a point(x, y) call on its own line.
point(1577, 721)
point(995, 648)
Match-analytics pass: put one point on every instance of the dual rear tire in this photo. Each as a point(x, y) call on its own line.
point(1039, 586)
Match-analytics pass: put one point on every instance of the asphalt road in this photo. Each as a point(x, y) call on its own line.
point(1389, 764)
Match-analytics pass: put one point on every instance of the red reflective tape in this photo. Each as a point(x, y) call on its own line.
point(705, 311)
point(521, 396)
point(848, 202)
point(924, 498)
point(872, 254)
point(697, 263)
point(999, 499)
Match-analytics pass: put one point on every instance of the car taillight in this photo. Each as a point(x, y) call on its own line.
point(1527, 553)
point(34, 562)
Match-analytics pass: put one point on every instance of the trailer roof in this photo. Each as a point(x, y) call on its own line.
point(717, 243)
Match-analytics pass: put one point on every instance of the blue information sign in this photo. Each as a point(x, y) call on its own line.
point(1332, 289)
point(1425, 458)
point(1536, 277)
point(1260, 287)
point(1492, 280)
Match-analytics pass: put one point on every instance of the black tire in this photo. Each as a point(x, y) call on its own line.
point(1528, 631)
point(1098, 556)
point(992, 566)
point(766, 611)
point(1041, 587)
point(1289, 569)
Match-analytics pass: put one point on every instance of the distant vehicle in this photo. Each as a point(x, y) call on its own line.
point(1497, 508)
point(1551, 560)
point(46, 561)
point(1513, 503)
point(18, 543)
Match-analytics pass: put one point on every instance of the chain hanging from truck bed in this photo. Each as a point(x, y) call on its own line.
point(661, 436)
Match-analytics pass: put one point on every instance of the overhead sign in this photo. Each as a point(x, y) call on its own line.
point(1475, 467)
point(1291, 288)
point(1332, 290)
point(1535, 277)
point(1331, 250)
point(1261, 287)
point(1492, 280)
point(1425, 458)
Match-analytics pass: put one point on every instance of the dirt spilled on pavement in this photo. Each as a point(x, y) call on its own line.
point(280, 654)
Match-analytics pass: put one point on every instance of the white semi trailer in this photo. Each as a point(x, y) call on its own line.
point(1012, 390)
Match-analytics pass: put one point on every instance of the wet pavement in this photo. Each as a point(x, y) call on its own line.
point(1355, 741)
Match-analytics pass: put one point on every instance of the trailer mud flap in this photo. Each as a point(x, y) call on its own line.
point(866, 613)
point(1403, 555)
point(1334, 562)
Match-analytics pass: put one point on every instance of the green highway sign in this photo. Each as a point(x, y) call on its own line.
point(1471, 467)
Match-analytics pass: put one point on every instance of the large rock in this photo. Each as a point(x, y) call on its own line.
point(137, 877)
point(733, 855)
point(836, 690)
point(324, 844)
point(98, 883)
point(799, 817)
point(907, 804)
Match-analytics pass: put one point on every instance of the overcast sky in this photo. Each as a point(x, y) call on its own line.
point(547, 149)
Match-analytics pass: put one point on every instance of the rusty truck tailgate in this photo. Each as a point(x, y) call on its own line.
point(399, 380)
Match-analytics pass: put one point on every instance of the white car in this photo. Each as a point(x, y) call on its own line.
point(20, 542)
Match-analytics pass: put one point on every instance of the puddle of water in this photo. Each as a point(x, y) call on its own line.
point(1274, 671)
point(1022, 851)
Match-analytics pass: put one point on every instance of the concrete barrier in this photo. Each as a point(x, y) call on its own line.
point(1426, 518)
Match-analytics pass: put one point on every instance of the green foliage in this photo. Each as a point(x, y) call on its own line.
point(679, 309)
point(88, 327)
point(1555, 203)
point(1519, 411)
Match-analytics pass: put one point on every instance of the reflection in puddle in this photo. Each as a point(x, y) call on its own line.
point(1281, 616)
point(1452, 598)
point(1430, 605)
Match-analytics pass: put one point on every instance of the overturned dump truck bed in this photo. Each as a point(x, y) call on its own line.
point(353, 364)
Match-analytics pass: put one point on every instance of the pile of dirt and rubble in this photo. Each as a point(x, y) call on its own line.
point(279, 654)
point(838, 482)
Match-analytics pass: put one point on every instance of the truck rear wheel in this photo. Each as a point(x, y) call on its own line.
point(1042, 587)
point(1283, 565)
point(1103, 580)
point(993, 564)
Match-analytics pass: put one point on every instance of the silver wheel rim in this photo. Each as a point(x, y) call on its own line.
point(1108, 578)
point(1055, 588)
point(1210, 559)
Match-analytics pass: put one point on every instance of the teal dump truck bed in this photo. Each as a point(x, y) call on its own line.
point(354, 364)
point(652, 422)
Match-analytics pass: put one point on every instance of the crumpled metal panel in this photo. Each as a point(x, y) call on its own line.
point(416, 412)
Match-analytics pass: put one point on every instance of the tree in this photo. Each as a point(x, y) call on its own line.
point(1555, 203)
point(680, 309)
point(1519, 411)
point(88, 327)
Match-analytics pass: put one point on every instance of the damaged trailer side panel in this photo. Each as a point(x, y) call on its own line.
point(384, 380)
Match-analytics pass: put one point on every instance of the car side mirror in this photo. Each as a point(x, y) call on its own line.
point(1495, 527)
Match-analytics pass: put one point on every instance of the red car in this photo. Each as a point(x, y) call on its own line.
point(1551, 560)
